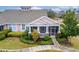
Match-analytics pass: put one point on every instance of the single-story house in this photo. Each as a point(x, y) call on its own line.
point(19, 20)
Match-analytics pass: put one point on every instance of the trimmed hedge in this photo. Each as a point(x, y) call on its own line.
point(3, 34)
point(15, 34)
point(6, 31)
point(27, 41)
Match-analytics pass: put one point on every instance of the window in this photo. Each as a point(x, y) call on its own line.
point(27, 28)
point(33, 28)
point(1, 27)
point(10, 27)
point(42, 29)
point(13, 27)
point(23, 26)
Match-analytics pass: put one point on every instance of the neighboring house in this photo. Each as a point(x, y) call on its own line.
point(19, 20)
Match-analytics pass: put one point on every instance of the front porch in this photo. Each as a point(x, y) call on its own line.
point(44, 26)
point(45, 30)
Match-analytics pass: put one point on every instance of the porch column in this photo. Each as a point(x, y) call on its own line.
point(59, 29)
point(29, 29)
point(38, 29)
point(47, 30)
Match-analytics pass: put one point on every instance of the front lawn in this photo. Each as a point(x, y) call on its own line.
point(13, 43)
point(50, 51)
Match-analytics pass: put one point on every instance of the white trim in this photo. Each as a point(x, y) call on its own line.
point(41, 22)
point(44, 25)
point(29, 29)
point(38, 29)
point(59, 30)
point(44, 17)
point(51, 19)
point(47, 30)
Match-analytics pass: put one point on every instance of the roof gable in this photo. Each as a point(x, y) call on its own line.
point(44, 20)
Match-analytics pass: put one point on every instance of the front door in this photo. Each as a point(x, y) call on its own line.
point(53, 30)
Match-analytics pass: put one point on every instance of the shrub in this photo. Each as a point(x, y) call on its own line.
point(61, 40)
point(35, 35)
point(26, 41)
point(2, 36)
point(46, 38)
point(25, 33)
point(15, 34)
point(60, 35)
point(6, 31)
point(29, 37)
point(26, 37)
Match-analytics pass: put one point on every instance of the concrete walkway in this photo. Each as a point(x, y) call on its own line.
point(55, 41)
point(41, 47)
point(32, 49)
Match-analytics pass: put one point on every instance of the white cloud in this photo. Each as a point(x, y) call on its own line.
point(36, 8)
point(56, 9)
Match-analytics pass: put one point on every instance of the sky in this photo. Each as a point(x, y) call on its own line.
point(56, 8)
point(8, 7)
point(17, 7)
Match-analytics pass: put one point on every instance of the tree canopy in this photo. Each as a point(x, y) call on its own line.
point(70, 27)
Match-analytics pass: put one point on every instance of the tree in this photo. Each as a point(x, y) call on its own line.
point(51, 14)
point(69, 25)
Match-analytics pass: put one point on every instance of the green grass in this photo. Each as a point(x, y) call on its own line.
point(50, 51)
point(14, 43)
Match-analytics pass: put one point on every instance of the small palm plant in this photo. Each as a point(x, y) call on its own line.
point(35, 35)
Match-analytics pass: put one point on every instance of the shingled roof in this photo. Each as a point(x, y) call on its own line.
point(20, 16)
